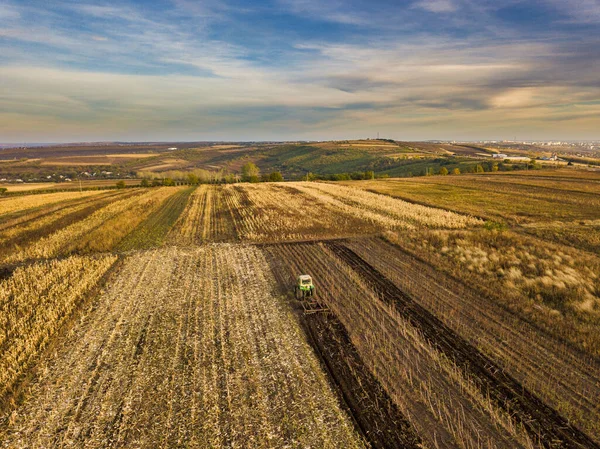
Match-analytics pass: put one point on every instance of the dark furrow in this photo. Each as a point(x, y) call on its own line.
point(373, 412)
point(542, 422)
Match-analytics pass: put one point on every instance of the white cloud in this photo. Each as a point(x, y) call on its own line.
point(437, 6)
point(9, 12)
point(580, 11)
point(413, 82)
point(331, 10)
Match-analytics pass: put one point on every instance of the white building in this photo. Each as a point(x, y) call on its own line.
point(499, 156)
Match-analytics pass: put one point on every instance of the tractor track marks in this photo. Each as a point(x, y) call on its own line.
point(372, 410)
point(562, 376)
point(542, 422)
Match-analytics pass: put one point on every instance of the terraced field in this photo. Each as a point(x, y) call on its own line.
point(165, 317)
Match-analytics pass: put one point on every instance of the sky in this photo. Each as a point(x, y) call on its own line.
point(184, 70)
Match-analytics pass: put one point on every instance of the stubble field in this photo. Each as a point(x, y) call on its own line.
point(166, 318)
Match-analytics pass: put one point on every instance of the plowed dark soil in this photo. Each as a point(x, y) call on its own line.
point(542, 422)
point(380, 421)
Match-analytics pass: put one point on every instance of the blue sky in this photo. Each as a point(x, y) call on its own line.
point(307, 69)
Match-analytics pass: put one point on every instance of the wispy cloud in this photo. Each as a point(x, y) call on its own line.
point(579, 11)
point(8, 12)
point(199, 69)
point(437, 6)
point(332, 11)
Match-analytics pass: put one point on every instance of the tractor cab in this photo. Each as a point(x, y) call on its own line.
point(304, 286)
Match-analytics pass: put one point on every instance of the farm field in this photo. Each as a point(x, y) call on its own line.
point(293, 159)
point(28, 186)
point(446, 315)
point(542, 196)
point(182, 349)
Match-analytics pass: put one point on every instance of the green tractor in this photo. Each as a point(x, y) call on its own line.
point(304, 287)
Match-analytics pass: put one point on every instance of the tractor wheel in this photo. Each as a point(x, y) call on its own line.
point(296, 293)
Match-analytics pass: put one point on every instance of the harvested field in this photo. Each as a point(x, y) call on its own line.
point(13, 205)
point(182, 348)
point(153, 230)
point(206, 218)
point(387, 327)
point(124, 324)
point(304, 211)
point(29, 186)
point(299, 211)
point(100, 231)
point(401, 212)
point(516, 198)
point(34, 303)
point(286, 213)
point(561, 376)
point(16, 233)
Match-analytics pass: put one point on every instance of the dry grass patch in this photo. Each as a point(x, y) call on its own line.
point(557, 286)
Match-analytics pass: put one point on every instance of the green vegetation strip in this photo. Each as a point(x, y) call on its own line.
point(152, 231)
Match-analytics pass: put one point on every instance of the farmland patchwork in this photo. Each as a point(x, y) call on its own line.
point(166, 317)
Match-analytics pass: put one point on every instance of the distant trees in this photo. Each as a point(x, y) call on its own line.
point(250, 172)
point(275, 177)
point(168, 182)
point(121, 184)
point(145, 183)
point(479, 169)
point(443, 171)
point(199, 176)
point(3, 190)
point(192, 179)
point(456, 171)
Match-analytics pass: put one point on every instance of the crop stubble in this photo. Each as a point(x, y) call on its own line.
point(541, 421)
point(196, 346)
point(187, 347)
point(386, 334)
point(34, 303)
point(563, 377)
